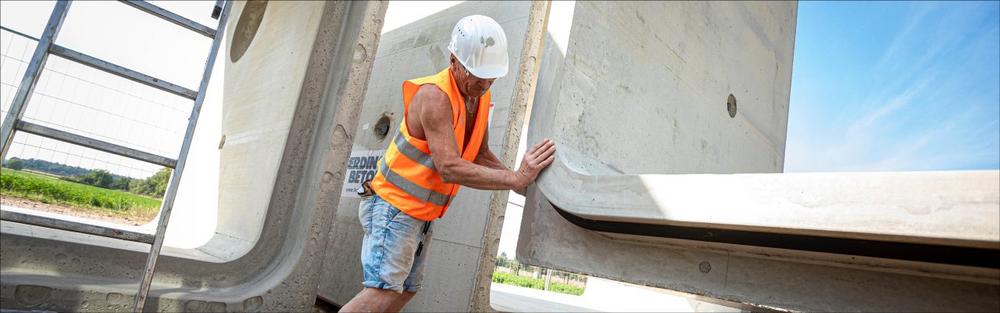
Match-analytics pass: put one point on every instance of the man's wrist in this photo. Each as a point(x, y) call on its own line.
point(519, 180)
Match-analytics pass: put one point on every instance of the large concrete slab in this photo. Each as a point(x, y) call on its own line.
point(643, 86)
point(317, 56)
point(410, 51)
point(770, 278)
point(637, 97)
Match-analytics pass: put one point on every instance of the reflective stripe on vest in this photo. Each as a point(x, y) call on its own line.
point(411, 188)
point(406, 176)
point(412, 152)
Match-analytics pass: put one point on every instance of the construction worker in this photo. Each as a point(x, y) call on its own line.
point(441, 144)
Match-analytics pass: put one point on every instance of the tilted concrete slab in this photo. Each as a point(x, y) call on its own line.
point(637, 99)
point(303, 77)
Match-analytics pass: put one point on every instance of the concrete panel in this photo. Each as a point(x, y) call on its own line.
point(411, 51)
point(635, 95)
point(329, 53)
point(246, 172)
point(765, 278)
point(666, 70)
point(443, 292)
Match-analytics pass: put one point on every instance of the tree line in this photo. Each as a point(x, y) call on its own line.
point(153, 186)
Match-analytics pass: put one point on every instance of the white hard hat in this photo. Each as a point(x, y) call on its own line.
point(479, 43)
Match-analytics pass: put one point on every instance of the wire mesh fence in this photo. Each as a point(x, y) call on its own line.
point(78, 99)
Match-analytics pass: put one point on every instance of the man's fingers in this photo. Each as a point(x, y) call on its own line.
point(536, 146)
point(541, 150)
point(541, 144)
point(535, 156)
point(538, 151)
point(549, 146)
point(531, 152)
point(548, 150)
point(548, 161)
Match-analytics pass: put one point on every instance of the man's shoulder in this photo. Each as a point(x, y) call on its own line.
point(431, 93)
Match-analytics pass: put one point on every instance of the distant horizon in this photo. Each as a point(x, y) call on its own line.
point(6, 161)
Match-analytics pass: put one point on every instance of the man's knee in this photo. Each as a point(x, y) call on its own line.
point(391, 295)
point(401, 300)
point(373, 300)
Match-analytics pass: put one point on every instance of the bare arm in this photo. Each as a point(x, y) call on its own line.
point(436, 119)
point(435, 116)
point(486, 157)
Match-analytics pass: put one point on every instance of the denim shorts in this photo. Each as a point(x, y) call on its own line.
point(394, 248)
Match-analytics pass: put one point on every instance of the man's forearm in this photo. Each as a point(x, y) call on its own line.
point(481, 176)
point(488, 159)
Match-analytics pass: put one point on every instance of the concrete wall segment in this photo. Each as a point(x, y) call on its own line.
point(77, 272)
point(637, 105)
point(521, 100)
point(762, 278)
point(258, 112)
point(671, 65)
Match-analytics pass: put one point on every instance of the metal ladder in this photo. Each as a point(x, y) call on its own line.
point(13, 122)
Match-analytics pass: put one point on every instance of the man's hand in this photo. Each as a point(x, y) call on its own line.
point(535, 160)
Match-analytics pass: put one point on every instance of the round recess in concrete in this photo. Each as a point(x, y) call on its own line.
point(731, 105)
point(382, 127)
point(246, 28)
point(705, 267)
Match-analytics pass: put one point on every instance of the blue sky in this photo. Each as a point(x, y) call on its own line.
point(895, 86)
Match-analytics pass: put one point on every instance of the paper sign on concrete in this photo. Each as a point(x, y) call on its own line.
point(360, 167)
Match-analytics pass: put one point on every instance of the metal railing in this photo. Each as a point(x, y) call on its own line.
point(13, 122)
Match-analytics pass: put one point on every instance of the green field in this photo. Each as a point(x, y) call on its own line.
point(48, 189)
point(529, 282)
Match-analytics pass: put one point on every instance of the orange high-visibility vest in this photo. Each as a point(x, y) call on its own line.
point(406, 176)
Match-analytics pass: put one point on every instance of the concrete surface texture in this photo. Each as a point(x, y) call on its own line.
point(317, 58)
point(642, 90)
point(410, 51)
point(643, 86)
point(761, 277)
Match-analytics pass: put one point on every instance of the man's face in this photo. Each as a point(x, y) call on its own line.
point(468, 84)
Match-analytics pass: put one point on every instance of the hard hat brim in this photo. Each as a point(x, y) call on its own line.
point(488, 72)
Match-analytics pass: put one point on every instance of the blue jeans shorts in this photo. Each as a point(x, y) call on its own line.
point(394, 248)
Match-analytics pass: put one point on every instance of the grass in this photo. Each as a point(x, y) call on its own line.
point(536, 283)
point(47, 189)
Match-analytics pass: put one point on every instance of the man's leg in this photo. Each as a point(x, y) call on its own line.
point(401, 300)
point(375, 300)
point(387, 255)
point(416, 276)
